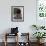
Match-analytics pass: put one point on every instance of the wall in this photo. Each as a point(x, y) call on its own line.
point(29, 15)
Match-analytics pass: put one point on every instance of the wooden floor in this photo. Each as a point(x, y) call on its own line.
point(13, 44)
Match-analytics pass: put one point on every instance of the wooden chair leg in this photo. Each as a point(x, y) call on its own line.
point(17, 39)
point(5, 43)
point(5, 39)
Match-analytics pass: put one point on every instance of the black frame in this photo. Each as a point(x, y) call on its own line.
point(12, 12)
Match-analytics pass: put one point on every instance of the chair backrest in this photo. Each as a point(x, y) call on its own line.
point(14, 30)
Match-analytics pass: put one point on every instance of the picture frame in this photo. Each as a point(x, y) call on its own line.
point(17, 13)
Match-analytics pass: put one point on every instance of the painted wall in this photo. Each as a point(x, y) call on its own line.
point(29, 15)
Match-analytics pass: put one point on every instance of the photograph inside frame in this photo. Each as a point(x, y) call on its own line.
point(17, 13)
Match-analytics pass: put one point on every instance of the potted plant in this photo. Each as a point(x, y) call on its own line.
point(42, 27)
point(35, 26)
point(39, 35)
point(38, 27)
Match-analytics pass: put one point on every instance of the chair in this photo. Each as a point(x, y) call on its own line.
point(14, 32)
point(25, 37)
point(8, 36)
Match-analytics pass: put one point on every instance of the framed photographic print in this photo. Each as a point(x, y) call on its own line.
point(17, 13)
